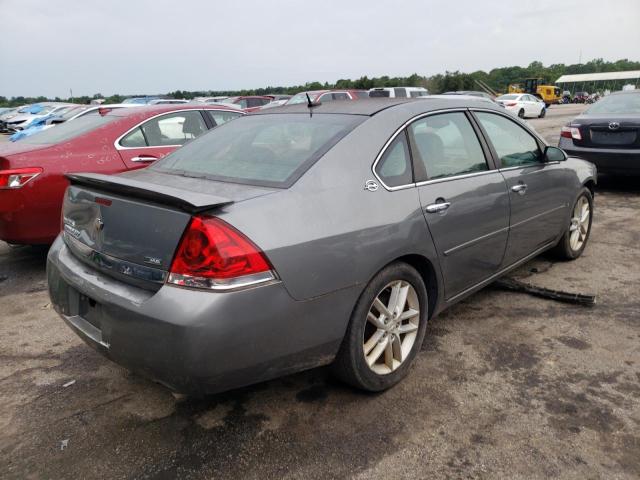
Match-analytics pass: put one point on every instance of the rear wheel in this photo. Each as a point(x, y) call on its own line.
point(575, 238)
point(521, 113)
point(386, 330)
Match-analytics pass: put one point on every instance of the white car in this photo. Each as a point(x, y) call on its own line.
point(523, 105)
point(398, 92)
point(24, 120)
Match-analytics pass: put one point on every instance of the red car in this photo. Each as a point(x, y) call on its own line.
point(32, 181)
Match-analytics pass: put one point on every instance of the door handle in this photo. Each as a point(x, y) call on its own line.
point(520, 189)
point(437, 207)
point(144, 158)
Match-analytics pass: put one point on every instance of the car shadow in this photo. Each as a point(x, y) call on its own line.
point(618, 184)
point(22, 268)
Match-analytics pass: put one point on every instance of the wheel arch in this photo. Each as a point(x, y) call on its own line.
point(427, 271)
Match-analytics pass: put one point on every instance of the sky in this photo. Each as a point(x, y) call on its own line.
point(156, 46)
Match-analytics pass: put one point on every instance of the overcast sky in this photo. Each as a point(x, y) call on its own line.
point(157, 46)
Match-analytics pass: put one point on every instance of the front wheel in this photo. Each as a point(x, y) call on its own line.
point(386, 330)
point(543, 112)
point(575, 238)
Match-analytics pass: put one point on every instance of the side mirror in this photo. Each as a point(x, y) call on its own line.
point(554, 154)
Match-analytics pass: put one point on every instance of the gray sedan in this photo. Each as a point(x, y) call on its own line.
point(310, 235)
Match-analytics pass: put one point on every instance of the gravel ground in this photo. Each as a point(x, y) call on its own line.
point(507, 386)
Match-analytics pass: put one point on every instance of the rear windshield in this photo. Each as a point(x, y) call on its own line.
point(267, 150)
point(508, 97)
point(625, 103)
point(68, 130)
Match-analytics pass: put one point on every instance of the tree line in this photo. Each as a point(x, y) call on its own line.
point(498, 79)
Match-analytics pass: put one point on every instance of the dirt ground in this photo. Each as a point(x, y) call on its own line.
point(507, 386)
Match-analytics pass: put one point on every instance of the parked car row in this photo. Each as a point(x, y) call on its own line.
point(439, 197)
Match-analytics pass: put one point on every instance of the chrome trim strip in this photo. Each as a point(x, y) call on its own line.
point(393, 137)
point(455, 177)
point(520, 167)
point(546, 212)
point(498, 274)
point(245, 281)
point(474, 241)
point(117, 145)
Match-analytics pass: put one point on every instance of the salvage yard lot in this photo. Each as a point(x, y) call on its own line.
point(507, 386)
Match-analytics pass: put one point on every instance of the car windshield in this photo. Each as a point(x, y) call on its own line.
point(508, 97)
point(625, 103)
point(302, 98)
point(68, 130)
point(268, 150)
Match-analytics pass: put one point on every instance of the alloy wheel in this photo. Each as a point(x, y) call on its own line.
point(392, 327)
point(579, 227)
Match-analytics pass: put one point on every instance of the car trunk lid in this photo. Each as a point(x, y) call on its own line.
point(608, 132)
point(130, 227)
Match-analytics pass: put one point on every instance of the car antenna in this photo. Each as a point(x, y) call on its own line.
point(310, 105)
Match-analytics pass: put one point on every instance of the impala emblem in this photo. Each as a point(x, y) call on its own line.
point(614, 125)
point(370, 185)
point(98, 224)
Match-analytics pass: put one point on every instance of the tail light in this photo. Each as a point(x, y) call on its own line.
point(571, 132)
point(511, 104)
point(17, 178)
point(214, 255)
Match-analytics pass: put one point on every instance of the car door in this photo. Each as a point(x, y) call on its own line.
point(159, 136)
point(537, 190)
point(464, 198)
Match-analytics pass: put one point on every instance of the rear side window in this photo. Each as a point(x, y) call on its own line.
point(394, 168)
point(68, 130)
point(400, 92)
point(270, 150)
point(379, 94)
point(513, 144)
point(219, 117)
point(135, 139)
point(447, 145)
point(340, 96)
point(174, 128)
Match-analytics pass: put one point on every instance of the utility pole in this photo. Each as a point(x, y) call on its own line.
point(71, 94)
point(580, 58)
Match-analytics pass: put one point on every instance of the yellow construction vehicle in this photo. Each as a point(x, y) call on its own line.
point(549, 94)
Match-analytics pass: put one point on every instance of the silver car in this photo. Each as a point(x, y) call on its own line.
point(310, 235)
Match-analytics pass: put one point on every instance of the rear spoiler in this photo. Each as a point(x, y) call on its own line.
point(189, 201)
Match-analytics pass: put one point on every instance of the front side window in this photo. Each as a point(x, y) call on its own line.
point(447, 145)
point(340, 96)
point(513, 144)
point(327, 97)
point(271, 150)
point(400, 92)
point(394, 168)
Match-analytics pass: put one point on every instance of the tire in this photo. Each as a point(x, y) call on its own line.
point(395, 350)
point(568, 248)
point(521, 113)
point(543, 112)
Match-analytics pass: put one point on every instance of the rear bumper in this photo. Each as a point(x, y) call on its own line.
point(616, 161)
point(197, 341)
point(23, 223)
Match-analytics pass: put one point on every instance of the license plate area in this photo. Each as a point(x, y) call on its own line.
point(613, 138)
point(90, 310)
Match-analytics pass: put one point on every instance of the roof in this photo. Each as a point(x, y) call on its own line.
point(157, 109)
point(599, 77)
point(371, 106)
